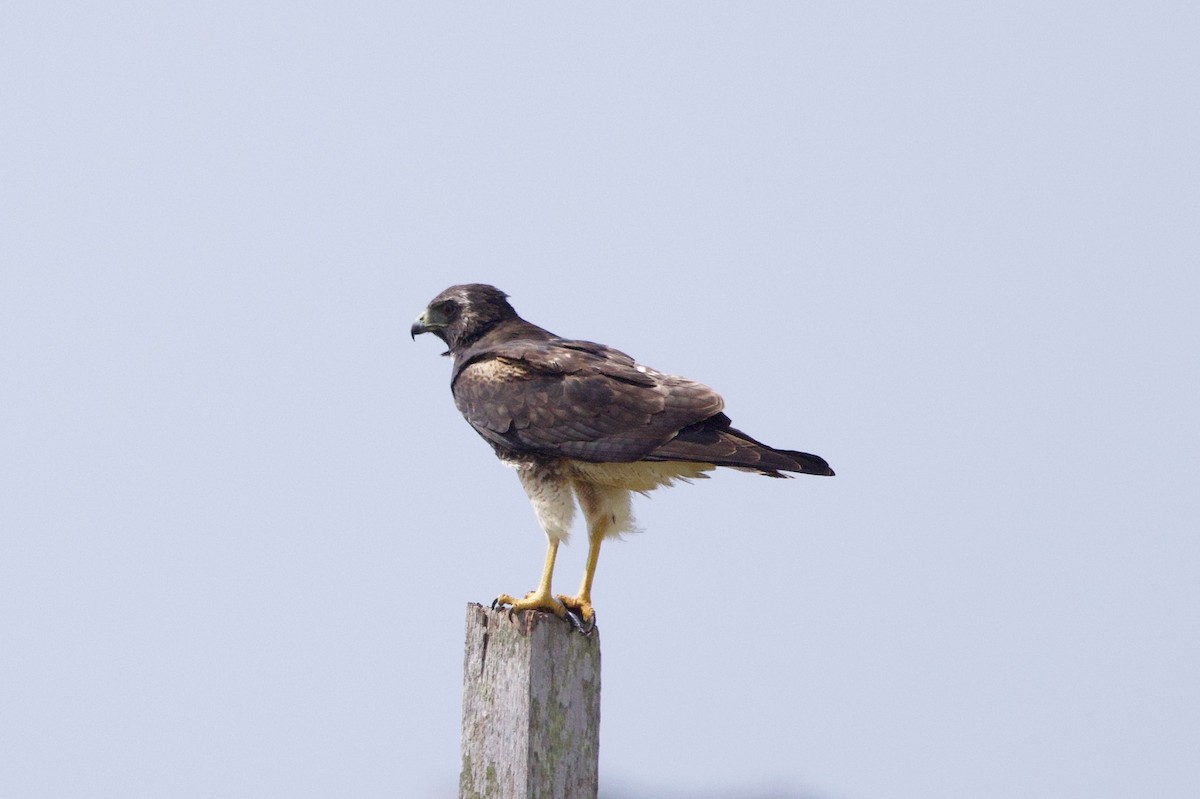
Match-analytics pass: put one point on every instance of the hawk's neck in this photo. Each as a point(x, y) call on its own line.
point(499, 338)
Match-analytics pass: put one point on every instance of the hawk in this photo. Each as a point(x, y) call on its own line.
point(583, 422)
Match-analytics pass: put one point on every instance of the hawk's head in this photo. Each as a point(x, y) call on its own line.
point(461, 314)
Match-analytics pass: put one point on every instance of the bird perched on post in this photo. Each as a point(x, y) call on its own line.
point(582, 421)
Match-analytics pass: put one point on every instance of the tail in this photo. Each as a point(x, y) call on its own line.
point(715, 441)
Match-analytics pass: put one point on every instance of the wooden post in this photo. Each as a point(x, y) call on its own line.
point(531, 708)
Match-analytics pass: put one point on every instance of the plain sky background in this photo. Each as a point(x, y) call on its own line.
point(952, 247)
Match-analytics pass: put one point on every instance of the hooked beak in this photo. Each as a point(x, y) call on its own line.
point(430, 321)
point(427, 322)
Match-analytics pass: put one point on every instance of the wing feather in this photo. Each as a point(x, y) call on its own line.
point(575, 399)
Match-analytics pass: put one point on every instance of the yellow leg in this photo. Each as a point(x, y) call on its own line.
point(581, 603)
point(540, 598)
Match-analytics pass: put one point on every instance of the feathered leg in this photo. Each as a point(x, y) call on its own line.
point(607, 513)
point(550, 495)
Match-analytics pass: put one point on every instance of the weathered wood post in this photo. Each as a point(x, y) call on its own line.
point(531, 708)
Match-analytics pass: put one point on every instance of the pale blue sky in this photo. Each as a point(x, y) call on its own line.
point(953, 248)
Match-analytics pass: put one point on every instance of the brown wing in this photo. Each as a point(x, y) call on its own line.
point(575, 399)
point(713, 440)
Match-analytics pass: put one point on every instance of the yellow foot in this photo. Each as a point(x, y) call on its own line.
point(534, 600)
point(549, 604)
point(581, 606)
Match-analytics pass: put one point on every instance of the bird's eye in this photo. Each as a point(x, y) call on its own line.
point(446, 307)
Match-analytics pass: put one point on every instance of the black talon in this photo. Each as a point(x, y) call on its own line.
point(578, 624)
point(574, 620)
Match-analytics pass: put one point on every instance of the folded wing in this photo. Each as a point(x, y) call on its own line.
point(576, 399)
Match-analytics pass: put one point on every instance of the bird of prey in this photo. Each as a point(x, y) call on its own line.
point(582, 421)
